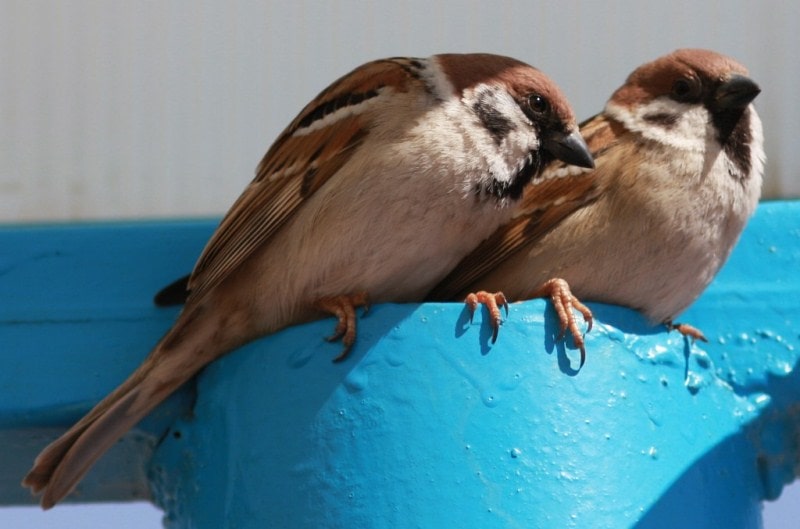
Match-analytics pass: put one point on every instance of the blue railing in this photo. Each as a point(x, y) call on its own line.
point(427, 424)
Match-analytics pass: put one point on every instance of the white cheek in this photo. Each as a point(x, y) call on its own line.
point(757, 143)
point(690, 132)
point(502, 160)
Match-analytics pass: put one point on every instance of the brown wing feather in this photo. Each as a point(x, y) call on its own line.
point(545, 203)
point(305, 156)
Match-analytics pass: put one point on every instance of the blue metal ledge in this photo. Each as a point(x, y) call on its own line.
point(427, 424)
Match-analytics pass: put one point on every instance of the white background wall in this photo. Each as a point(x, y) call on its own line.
point(112, 109)
point(115, 109)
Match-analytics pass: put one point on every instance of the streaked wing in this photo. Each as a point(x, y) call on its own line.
point(560, 191)
point(320, 140)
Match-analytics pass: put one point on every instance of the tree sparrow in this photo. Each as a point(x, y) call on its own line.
point(679, 159)
point(379, 187)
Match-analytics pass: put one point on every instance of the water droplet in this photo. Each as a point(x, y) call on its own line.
point(702, 359)
point(395, 358)
point(356, 381)
point(762, 400)
point(652, 452)
point(694, 382)
point(615, 335)
point(784, 367)
point(490, 400)
point(515, 452)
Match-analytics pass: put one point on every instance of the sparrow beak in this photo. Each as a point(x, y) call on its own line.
point(737, 92)
point(570, 148)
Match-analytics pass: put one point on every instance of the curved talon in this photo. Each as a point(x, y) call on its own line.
point(503, 302)
point(341, 356)
point(565, 304)
point(471, 301)
point(492, 302)
point(344, 309)
point(688, 331)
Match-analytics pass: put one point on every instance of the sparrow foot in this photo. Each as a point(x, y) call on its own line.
point(687, 330)
point(566, 304)
point(344, 309)
point(492, 302)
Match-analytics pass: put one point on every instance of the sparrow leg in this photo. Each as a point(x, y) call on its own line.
point(687, 330)
point(565, 304)
point(492, 302)
point(344, 309)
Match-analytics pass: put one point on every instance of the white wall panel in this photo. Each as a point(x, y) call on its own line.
point(150, 109)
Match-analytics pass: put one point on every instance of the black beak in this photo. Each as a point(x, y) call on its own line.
point(735, 93)
point(569, 148)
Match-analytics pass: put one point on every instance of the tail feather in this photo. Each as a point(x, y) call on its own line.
point(47, 461)
point(177, 358)
point(95, 440)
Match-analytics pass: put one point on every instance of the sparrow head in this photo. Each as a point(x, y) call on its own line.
point(524, 121)
point(688, 99)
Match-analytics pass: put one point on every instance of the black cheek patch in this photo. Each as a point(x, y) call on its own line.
point(662, 119)
point(496, 123)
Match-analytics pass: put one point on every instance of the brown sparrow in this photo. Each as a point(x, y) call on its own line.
point(679, 159)
point(400, 154)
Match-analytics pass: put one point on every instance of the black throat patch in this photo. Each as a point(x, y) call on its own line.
point(501, 189)
point(733, 127)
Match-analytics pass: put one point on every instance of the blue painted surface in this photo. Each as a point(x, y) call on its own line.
point(427, 424)
point(76, 318)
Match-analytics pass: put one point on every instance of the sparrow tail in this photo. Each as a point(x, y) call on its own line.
point(191, 344)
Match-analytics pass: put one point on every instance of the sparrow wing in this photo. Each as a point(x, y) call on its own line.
point(311, 150)
point(557, 193)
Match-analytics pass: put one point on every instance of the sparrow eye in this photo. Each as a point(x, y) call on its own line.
point(686, 90)
point(538, 104)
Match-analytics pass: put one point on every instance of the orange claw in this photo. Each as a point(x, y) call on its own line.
point(344, 309)
point(492, 302)
point(565, 303)
point(687, 330)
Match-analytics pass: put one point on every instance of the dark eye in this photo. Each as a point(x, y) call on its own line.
point(686, 89)
point(537, 104)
